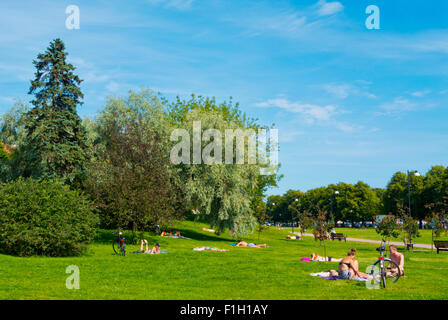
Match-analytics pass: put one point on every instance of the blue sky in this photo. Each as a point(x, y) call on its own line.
point(350, 103)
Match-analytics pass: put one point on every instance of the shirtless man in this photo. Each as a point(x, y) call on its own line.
point(398, 258)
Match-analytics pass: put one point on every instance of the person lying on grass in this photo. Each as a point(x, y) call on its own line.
point(242, 243)
point(290, 237)
point(348, 268)
point(316, 257)
point(398, 258)
point(211, 230)
point(208, 249)
point(154, 250)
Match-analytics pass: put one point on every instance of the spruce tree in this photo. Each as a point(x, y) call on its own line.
point(55, 145)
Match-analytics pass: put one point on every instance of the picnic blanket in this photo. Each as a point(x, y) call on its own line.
point(327, 276)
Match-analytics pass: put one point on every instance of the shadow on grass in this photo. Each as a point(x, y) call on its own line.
point(194, 235)
point(108, 236)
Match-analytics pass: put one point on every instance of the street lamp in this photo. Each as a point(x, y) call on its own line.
point(417, 174)
point(332, 204)
point(292, 217)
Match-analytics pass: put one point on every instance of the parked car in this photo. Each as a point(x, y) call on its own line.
point(368, 224)
point(339, 224)
point(347, 224)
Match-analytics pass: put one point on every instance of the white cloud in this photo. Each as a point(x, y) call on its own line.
point(329, 8)
point(341, 91)
point(421, 93)
point(112, 86)
point(311, 112)
point(176, 4)
point(398, 105)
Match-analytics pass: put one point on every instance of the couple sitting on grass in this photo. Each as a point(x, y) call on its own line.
point(348, 268)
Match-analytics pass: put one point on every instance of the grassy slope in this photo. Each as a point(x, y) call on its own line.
point(241, 273)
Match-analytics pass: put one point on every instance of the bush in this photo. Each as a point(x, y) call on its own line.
point(44, 218)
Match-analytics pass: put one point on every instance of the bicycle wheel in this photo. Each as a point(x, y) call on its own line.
point(116, 245)
point(385, 268)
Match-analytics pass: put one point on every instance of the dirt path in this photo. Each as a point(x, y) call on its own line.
point(416, 245)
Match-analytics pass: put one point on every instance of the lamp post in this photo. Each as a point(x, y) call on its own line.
point(332, 203)
point(292, 217)
point(417, 174)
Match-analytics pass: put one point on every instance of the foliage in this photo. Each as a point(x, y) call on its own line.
point(304, 218)
point(130, 177)
point(225, 195)
point(388, 227)
point(343, 201)
point(322, 228)
point(410, 228)
point(55, 143)
point(44, 218)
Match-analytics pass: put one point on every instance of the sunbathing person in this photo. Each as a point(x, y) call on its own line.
point(154, 250)
point(242, 243)
point(348, 268)
point(208, 249)
point(316, 257)
point(398, 258)
point(211, 230)
point(294, 237)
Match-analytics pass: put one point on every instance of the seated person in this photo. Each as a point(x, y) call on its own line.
point(154, 250)
point(348, 268)
point(208, 249)
point(398, 258)
point(242, 243)
point(316, 257)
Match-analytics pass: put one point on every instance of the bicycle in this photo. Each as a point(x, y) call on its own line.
point(385, 273)
point(118, 244)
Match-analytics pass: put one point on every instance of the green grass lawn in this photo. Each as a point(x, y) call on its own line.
point(242, 273)
point(370, 233)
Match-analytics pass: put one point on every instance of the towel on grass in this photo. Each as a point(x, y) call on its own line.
point(327, 276)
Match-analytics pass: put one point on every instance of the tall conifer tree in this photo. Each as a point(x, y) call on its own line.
point(55, 146)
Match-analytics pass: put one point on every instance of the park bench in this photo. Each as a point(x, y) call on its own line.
point(408, 244)
point(441, 245)
point(338, 236)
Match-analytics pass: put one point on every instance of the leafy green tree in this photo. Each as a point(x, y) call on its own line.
point(388, 228)
point(410, 228)
point(322, 228)
point(130, 176)
point(304, 218)
point(55, 143)
point(396, 195)
point(225, 195)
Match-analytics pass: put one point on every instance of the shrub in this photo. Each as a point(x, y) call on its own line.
point(44, 218)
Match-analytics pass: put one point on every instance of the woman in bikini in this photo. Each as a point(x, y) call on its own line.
point(348, 267)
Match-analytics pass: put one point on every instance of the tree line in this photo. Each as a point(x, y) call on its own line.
point(428, 195)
